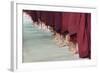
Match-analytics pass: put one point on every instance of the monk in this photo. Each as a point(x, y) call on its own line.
point(58, 20)
point(78, 27)
point(83, 38)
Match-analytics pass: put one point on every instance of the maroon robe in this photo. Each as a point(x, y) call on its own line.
point(34, 16)
point(43, 17)
point(79, 23)
point(89, 33)
point(65, 20)
point(58, 21)
point(83, 37)
point(73, 22)
point(50, 18)
point(38, 15)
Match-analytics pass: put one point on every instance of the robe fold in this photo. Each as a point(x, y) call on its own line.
point(83, 37)
point(38, 14)
point(73, 22)
point(43, 17)
point(65, 20)
point(89, 33)
point(77, 24)
point(34, 16)
point(58, 21)
point(50, 19)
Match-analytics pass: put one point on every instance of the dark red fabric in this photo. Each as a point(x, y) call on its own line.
point(58, 21)
point(83, 37)
point(65, 20)
point(75, 23)
point(38, 14)
point(79, 23)
point(89, 33)
point(34, 16)
point(70, 22)
point(43, 17)
point(50, 19)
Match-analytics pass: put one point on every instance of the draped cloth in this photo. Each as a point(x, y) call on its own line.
point(43, 16)
point(84, 36)
point(65, 21)
point(50, 19)
point(78, 23)
point(58, 21)
point(73, 22)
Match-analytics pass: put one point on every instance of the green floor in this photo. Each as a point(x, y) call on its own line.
point(38, 46)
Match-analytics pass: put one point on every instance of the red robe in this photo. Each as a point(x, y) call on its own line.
point(73, 22)
point(50, 18)
point(79, 23)
point(34, 16)
point(65, 20)
point(83, 37)
point(58, 21)
point(43, 16)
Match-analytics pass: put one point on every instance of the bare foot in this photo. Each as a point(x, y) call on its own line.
point(62, 45)
point(74, 51)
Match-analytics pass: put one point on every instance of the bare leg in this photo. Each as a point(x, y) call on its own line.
point(73, 47)
point(62, 41)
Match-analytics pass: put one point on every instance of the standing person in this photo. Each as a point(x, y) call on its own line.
point(58, 23)
point(64, 28)
point(38, 14)
point(84, 39)
point(73, 26)
point(50, 20)
point(43, 18)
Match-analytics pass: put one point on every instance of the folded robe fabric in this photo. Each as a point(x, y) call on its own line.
point(89, 33)
point(34, 16)
point(43, 16)
point(78, 23)
point(83, 37)
point(58, 21)
point(50, 18)
point(73, 22)
point(65, 20)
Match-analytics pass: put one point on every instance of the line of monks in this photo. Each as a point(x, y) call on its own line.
point(69, 28)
